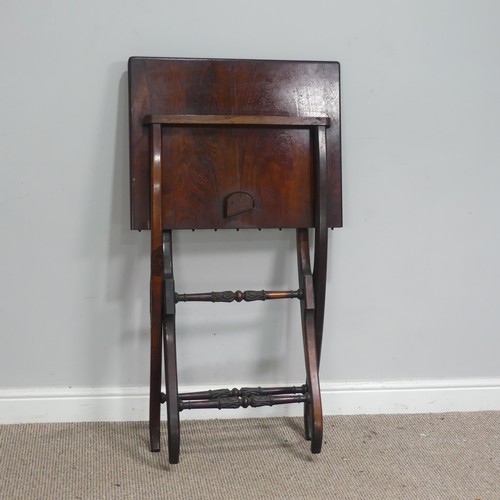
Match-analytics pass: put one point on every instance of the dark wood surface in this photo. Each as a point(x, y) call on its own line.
point(202, 166)
point(156, 289)
point(170, 353)
point(235, 120)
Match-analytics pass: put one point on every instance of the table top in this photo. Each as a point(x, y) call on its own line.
point(234, 133)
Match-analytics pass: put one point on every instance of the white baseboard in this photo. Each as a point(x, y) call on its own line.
point(32, 405)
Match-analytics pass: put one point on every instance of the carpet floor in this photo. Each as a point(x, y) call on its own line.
point(431, 456)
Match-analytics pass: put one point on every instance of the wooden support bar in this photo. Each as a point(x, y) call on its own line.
point(220, 403)
point(170, 356)
point(243, 402)
point(156, 288)
point(320, 233)
point(243, 392)
point(313, 416)
point(217, 394)
point(281, 399)
point(261, 391)
point(238, 296)
point(238, 120)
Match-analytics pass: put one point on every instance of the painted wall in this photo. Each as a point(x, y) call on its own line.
point(414, 275)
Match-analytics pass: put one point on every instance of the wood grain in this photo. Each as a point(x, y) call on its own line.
point(283, 90)
point(235, 120)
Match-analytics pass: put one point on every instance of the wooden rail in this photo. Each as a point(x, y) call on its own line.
point(238, 120)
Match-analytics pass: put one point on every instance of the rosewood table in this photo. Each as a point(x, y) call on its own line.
point(234, 144)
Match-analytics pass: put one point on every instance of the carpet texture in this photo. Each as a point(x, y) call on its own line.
point(434, 456)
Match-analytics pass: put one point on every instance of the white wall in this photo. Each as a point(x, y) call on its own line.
point(414, 275)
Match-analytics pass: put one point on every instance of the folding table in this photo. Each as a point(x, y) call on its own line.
point(234, 144)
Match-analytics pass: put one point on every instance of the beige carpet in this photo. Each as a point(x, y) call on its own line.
point(436, 456)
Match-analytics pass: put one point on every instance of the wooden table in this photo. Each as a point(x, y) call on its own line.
point(234, 144)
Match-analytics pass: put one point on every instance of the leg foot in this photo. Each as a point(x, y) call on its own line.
point(170, 354)
point(154, 439)
point(313, 416)
point(155, 361)
point(173, 423)
point(307, 421)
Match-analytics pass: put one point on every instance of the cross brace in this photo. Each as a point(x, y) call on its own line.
point(311, 293)
point(238, 296)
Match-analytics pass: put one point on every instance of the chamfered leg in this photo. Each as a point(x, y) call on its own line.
point(172, 400)
point(313, 415)
point(156, 288)
point(320, 233)
point(155, 365)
